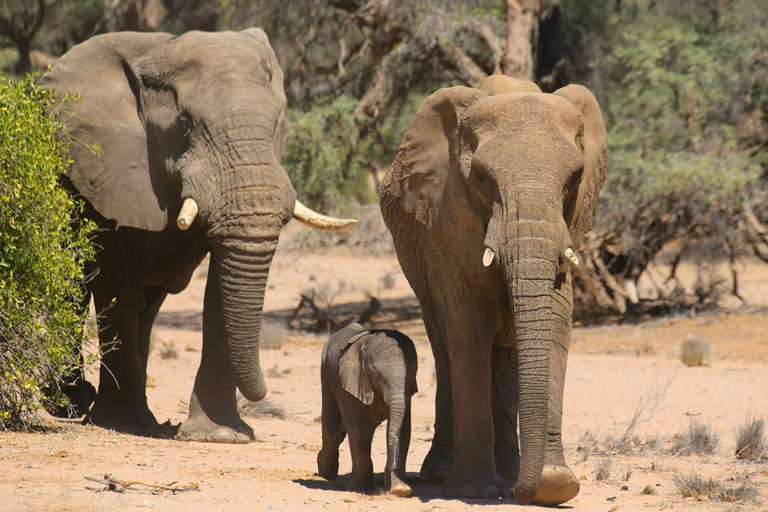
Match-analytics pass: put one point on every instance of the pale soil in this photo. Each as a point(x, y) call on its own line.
point(615, 373)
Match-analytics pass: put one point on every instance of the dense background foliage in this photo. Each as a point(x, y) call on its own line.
point(42, 251)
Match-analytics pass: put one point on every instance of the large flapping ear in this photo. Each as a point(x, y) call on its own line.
point(354, 369)
point(108, 142)
point(578, 213)
point(424, 179)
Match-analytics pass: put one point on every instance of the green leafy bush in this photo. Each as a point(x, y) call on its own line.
point(321, 148)
point(42, 251)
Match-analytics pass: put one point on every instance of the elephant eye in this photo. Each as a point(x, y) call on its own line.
point(184, 125)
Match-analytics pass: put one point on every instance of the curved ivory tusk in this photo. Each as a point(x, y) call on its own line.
point(319, 221)
point(187, 214)
point(571, 256)
point(487, 256)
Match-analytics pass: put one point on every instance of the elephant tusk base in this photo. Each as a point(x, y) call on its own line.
point(187, 214)
point(571, 256)
point(488, 257)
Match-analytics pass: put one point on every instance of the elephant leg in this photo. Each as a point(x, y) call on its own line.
point(121, 401)
point(558, 483)
point(505, 395)
point(333, 435)
point(79, 392)
point(213, 415)
point(360, 432)
point(439, 460)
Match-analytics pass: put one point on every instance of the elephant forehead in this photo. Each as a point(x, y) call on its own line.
point(522, 112)
point(210, 58)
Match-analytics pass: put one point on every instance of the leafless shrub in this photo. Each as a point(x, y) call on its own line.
point(750, 440)
point(648, 490)
point(260, 409)
point(603, 468)
point(695, 351)
point(644, 412)
point(695, 486)
point(272, 335)
point(700, 440)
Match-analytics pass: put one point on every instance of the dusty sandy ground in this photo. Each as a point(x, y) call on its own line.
point(615, 374)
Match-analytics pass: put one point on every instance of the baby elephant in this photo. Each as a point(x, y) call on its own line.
point(368, 375)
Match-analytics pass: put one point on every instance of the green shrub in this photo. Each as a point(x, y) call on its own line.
point(42, 252)
point(321, 148)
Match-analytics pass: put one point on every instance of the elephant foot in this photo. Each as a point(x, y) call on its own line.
point(137, 420)
point(475, 484)
point(80, 395)
point(397, 485)
point(328, 464)
point(363, 485)
point(437, 465)
point(202, 429)
point(558, 484)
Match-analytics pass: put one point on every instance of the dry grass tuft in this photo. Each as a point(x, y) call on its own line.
point(695, 351)
point(603, 469)
point(695, 486)
point(648, 490)
point(750, 440)
point(699, 440)
point(168, 350)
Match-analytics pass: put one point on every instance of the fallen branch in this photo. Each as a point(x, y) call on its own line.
point(113, 484)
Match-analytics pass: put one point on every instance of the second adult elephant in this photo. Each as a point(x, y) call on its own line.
point(190, 132)
point(488, 198)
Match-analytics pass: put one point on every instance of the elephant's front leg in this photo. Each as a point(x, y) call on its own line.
point(213, 414)
point(558, 483)
point(121, 402)
point(474, 470)
point(505, 396)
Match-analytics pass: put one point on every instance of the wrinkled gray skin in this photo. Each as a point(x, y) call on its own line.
point(196, 116)
point(367, 376)
point(508, 169)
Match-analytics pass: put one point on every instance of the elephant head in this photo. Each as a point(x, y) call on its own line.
point(186, 133)
point(506, 179)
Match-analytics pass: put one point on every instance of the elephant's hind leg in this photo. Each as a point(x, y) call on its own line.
point(333, 435)
point(121, 402)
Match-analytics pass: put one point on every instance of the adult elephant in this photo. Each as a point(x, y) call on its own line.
point(176, 148)
point(489, 195)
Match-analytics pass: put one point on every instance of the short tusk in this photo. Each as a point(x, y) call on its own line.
point(316, 220)
point(571, 256)
point(187, 214)
point(487, 257)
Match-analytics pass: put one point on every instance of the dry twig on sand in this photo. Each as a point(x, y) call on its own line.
point(113, 484)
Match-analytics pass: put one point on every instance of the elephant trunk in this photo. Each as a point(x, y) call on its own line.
point(242, 268)
point(530, 265)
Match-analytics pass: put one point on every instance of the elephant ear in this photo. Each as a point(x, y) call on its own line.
point(354, 369)
point(108, 142)
point(424, 179)
point(579, 211)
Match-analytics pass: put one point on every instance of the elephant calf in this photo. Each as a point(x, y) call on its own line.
point(368, 375)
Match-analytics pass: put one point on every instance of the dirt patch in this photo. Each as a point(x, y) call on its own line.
point(627, 396)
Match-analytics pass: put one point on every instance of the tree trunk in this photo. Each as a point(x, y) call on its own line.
point(519, 59)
